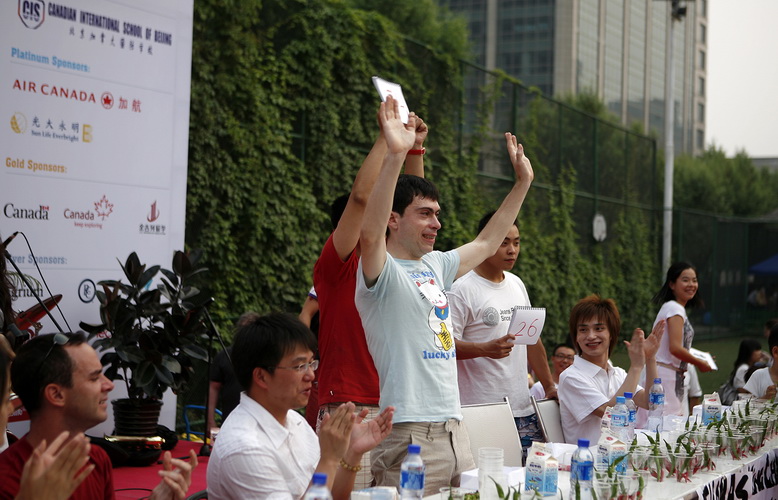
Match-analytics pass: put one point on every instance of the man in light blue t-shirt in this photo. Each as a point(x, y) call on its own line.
point(402, 301)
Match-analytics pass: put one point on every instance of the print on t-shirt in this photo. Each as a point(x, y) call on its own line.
point(439, 313)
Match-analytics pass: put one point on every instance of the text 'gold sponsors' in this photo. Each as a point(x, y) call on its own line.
point(35, 166)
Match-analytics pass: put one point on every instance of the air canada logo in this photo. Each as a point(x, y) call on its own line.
point(103, 208)
point(19, 123)
point(32, 13)
point(107, 100)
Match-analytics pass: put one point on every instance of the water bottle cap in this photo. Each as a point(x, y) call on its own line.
point(627, 395)
point(319, 478)
point(657, 380)
point(414, 448)
point(583, 443)
point(620, 400)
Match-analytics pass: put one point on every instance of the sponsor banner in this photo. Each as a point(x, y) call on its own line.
point(89, 130)
point(757, 480)
point(86, 225)
point(104, 40)
point(94, 120)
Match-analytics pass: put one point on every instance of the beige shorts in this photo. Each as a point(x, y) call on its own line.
point(445, 449)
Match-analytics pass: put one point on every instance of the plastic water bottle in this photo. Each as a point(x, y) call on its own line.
point(633, 412)
point(656, 406)
point(581, 471)
point(318, 489)
point(412, 474)
point(620, 418)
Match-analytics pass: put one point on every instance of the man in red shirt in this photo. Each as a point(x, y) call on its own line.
point(346, 371)
point(60, 380)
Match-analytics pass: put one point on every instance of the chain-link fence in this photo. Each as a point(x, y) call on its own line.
point(617, 173)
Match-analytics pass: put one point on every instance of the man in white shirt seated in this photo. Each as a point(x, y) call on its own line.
point(588, 387)
point(265, 449)
point(762, 383)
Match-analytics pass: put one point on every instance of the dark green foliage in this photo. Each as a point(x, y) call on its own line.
point(726, 186)
point(282, 114)
point(154, 333)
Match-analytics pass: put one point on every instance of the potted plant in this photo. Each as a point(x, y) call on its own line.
point(149, 337)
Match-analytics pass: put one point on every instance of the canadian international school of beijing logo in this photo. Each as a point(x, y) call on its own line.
point(19, 123)
point(32, 13)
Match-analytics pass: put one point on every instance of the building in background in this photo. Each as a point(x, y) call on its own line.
point(615, 48)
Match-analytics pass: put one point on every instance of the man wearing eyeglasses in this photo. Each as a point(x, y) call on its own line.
point(490, 365)
point(265, 448)
point(561, 359)
point(60, 380)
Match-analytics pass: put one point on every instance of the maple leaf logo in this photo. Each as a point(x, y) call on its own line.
point(107, 100)
point(103, 207)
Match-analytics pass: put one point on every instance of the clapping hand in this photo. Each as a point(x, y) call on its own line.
point(635, 348)
point(54, 472)
point(367, 435)
point(175, 481)
point(335, 432)
point(651, 345)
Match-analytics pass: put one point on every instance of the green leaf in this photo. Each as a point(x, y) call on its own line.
point(195, 351)
point(144, 375)
point(171, 364)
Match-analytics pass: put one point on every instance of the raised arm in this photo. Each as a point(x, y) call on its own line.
point(414, 161)
point(346, 234)
point(650, 348)
point(372, 239)
point(488, 241)
point(309, 310)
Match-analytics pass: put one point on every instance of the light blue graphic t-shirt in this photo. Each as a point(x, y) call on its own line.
point(407, 322)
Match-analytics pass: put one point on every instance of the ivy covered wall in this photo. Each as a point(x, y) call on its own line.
point(283, 112)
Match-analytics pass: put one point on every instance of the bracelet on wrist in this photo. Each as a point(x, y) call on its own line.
point(417, 151)
point(351, 468)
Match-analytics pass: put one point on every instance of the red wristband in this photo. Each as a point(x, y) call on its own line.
point(417, 151)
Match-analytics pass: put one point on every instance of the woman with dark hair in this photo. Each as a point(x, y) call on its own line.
point(749, 354)
point(678, 292)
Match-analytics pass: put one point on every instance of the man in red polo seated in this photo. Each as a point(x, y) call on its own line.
point(60, 380)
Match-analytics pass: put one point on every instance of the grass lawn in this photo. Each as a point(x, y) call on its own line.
point(723, 350)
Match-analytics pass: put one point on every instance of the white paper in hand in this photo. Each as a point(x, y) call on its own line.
point(385, 89)
point(527, 324)
point(705, 356)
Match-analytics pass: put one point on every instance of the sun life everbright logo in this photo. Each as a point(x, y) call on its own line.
point(19, 123)
point(32, 13)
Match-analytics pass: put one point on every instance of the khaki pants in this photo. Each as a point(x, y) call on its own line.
point(445, 449)
point(364, 478)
